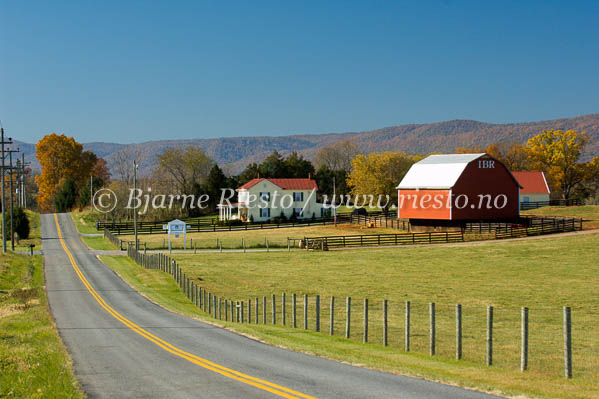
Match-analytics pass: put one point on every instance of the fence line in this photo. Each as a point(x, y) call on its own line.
point(213, 305)
point(328, 242)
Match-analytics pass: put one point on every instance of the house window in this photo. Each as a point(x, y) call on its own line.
point(264, 212)
point(265, 197)
point(298, 197)
point(526, 199)
point(297, 212)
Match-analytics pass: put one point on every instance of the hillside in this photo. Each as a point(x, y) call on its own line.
point(234, 153)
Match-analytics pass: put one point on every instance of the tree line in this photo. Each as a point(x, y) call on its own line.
point(339, 168)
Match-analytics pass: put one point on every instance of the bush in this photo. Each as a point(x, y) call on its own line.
point(21, 224)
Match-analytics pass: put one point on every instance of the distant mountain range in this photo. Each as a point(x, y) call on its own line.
point(235, 153)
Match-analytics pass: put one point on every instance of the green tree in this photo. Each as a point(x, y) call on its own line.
point(298, 167)
point(273, 166)
point(66, 196)
point(324, 179)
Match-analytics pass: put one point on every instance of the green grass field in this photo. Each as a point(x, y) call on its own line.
point(33, 360)
point(543, 275)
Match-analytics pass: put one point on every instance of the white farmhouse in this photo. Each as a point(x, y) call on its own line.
point(262, 199)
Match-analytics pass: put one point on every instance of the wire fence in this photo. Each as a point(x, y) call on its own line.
point(545, 340)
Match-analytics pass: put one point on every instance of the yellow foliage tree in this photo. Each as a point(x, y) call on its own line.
point(60, 157)
point(378, 174)
point(557, 153)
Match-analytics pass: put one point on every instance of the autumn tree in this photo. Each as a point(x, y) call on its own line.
point(379, 173)
point(337, 156)
point(514, 156)
point(61, 158)
point(557, 153)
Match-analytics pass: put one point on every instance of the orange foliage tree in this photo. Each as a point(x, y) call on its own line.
point(60, 157)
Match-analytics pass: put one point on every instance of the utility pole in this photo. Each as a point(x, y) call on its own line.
point(2, 143)
point(23, 190)
point(335, 205)
point(91, 192)
point(135, 208)
point(12, 230)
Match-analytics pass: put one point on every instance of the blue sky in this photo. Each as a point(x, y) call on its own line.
point(136, 71)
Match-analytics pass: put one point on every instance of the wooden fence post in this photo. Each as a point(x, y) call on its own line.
point(274, 310)
point(283, 305)
point(264, 310)
point(257, 310)
point(432, 328)
point(250, 311)
point(332, 319)
point(407, 328)
point(567, 342)
point(385, 318)
point(294, 310)
point(220, 315)
point(241, 311)
point(489, 335)
point(365, 336)
point(458, 331)
point(524, 339)
point(347, 316)
point(305, 312)
point(317, 311)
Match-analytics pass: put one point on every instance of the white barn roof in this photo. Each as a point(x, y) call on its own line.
point(437, 171)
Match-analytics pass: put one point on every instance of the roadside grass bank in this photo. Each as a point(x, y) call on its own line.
point(33, 361)
point(85, 220)
point(85, 223)
point(543, 275)
point(98, 243)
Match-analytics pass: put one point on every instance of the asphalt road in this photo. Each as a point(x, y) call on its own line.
point(124, 346)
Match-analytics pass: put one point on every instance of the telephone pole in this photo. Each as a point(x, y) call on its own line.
point(135, 208)
point(2, 144)
point(10, 168)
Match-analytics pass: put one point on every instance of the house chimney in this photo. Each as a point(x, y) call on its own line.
point(309, 175)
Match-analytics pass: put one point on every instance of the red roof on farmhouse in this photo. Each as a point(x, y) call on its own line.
point(285, 184)
point(532, 182)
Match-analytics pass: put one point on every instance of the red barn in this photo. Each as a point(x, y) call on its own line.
point(450, 190)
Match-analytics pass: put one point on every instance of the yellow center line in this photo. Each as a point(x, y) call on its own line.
point(207, 364)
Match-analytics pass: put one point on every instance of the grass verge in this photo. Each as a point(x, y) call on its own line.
point(541, 274)
point(85, 221)
point(33, 360)
point(100, 243)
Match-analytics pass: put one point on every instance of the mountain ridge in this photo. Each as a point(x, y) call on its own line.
point(235, 153)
